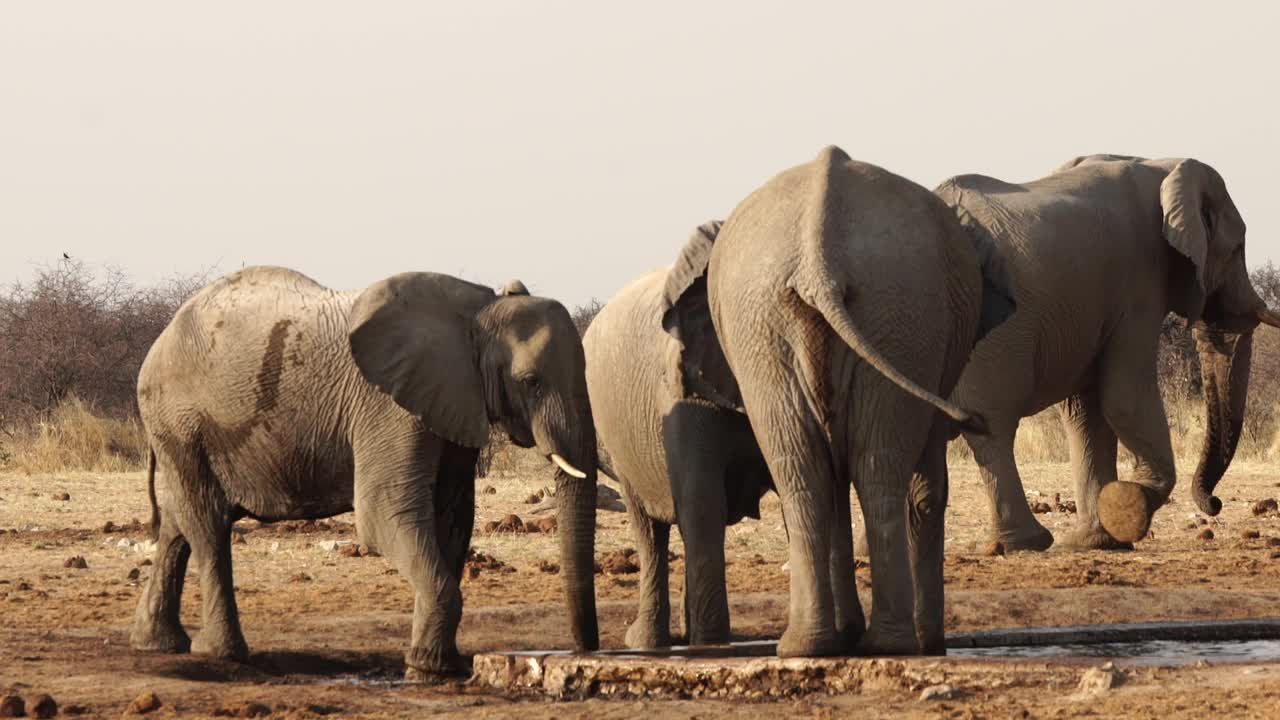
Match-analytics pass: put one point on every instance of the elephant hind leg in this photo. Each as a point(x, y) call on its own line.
point(926, 537)
point(206, 522)
point(1013, 526)
point(851, 623)
point(1092, 444)
point(156, 623)
point(652, 626)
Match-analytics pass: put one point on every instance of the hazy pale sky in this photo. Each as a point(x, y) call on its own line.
point(573, 145)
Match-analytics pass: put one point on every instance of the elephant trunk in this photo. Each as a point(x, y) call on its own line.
point(1225, 360)
point(576, 521)
point(573, 452)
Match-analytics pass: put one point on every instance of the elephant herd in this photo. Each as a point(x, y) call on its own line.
point(837, 329)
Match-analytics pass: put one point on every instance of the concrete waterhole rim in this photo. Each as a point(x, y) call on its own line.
point(751, 670)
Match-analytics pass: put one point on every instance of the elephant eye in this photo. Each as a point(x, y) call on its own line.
point(530, 381)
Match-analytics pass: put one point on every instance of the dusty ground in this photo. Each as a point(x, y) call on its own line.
point(328, 630)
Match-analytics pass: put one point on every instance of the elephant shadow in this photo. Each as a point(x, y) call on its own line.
point(285, 666)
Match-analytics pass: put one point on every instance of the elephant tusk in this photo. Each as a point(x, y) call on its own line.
point(565, 466)
point(1268, 317)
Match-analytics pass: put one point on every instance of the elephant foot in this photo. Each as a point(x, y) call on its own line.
point(1093, 537)
point(159, 638)
point(220, 645)
point(1032, 538)
point(879, 642)
point(646, 634)
point(426, 665)
point(808, 644)
point(1124, 510)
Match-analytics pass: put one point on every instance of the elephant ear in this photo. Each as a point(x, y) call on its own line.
point(1091, 159)
point(1182, 201)
point(513, 287)
point(411, 337)
point(998, 303)
point(698, 366)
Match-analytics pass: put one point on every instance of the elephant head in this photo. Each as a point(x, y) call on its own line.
point(461, 358)
point(1209, 285)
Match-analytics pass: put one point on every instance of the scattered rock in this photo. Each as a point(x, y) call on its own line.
point(489, 490)
point(1040, 508)
point(511, 523)
point(63, 496)
point(620, 562)
point(548, 567)
point(143, 704)
point(76, 562)
point(41, 706)
point(369, 551)
point(11, 706)
point(243, 710)
point(23, 585)
point(491, 527)
point(145, 562)
point(996, 548)
point(1250, 535)
point(1273, 542)
point(75, 709)
point(299, 578)
point(534, 499)
point(1100, 679)
point(1068, 506)
point(937, 692)
point(1206, 534)
point(134, 573)
point(1266, 507)
point(349, 550)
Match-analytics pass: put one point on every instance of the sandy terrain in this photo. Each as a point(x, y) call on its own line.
point(328, 630)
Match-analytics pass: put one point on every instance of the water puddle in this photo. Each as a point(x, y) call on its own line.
point(1154, 652)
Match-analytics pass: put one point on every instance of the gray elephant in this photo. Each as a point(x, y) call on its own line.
point(833, 289)
point(1098, 253)
point(269, 396)
point(678, 456)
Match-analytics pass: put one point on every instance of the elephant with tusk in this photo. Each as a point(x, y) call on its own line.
point(1098, 253)
point(269, 396)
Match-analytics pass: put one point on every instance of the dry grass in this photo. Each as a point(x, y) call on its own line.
point(74, 438)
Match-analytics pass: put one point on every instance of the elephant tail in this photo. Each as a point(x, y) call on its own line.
point(151, 494)
point(834, 312)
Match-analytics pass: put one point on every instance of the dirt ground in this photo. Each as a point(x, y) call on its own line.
point(327, 626)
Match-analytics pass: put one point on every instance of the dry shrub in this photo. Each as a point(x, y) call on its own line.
point(73, 437)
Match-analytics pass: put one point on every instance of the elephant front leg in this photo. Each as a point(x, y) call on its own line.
point(1134, 410)
point(652, 626)
point(156, 623)
point(1092, 446)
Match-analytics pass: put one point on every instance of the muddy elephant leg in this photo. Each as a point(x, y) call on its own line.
point(1092, 445)
point(652, 626)
point(455, 505)
point(698, 445)
point(926, 537)
point(395, 502)
point(1013, 524)
point(1131, 404)
point(210, 538)
point(796, 449)
point(851, 623)
point(156, 623)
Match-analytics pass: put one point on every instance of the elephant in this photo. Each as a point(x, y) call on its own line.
point(678, 457)
point(842, 296)
point(1098, 253)
point(272, 397)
